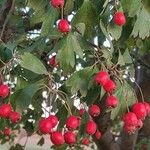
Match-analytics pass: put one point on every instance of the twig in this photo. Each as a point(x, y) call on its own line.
point(7, 18)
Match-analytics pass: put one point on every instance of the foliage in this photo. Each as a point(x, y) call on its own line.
point(35, 38)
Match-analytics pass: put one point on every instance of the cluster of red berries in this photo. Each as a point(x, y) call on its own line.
point(47, 125)
point(134, 120)
point(63, 24)
point(102, 78)
point(6, 110)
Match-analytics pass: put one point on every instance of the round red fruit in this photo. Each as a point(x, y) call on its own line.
point(63, 26)
point(14, 117)
point(130, 119)
point(72, 122)
point(57, 3)
point(70, 137)
point(140, 110)
point(102, 77)
point(85, 141)
point(94, 110)
point(110, 86)
point(81, 112)
point(119, 18)
point(112, 101)
point(98, 134)
point(91, 127)
point(52, 61)
point(4, 90)
point(147, 106)
point(45, 126)
point(57, 138)
point(6, 131)
point(53, 119)
point(5, 110)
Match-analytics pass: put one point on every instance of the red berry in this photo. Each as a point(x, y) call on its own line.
point(57, 138)
point(81, 112)
point(111, 101)
point(110, 86)
point(5, 110)
point(4, 90)
point(139, 124)
point(14, 117)
point(147, 106)
point(140, 110)
point(102, 77)
point(72, 122)
point(91, 127)
point(57, 3)
point(130, 119)
point(70, 137)
point(94, 110)
point(6, 131)
point(119, 18)
point(85, 141)
point(98, 134)
point(52, 61)
point(53, 119)
point(63, 26)
point(45, 126)
point(129, 129)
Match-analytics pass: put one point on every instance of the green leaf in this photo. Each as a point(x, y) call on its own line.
point(32, 63)
point(115, 31)
point(80, 80)
point(127, 58)
point(142, 24)
point(41, 141)
point(22, 98)
point(102, 26)
point(48, 21)
point(68, 7)
point(124, 93)
point(132, 6)
point(81, 28)
point(74, 44)
point(121, 59)
point(62, 147)
point(87, 15)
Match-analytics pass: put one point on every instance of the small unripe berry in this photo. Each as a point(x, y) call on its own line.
point(98, 134)
point(45, 126)
point(102, 77)
point(72, 122)
point(110, 86)
point(63, 26)
point(70, 137)
point(57, 138)
point(4, 90)
point(57, 3)
point(91, 127)
point(6, 131)
point(53, 119)
point(15, 116)
point(140, 110)
point(94, 110)
point(112, 101)
point(85, 141)
point(119, 18)
point(5, 110)
point(81, 112)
